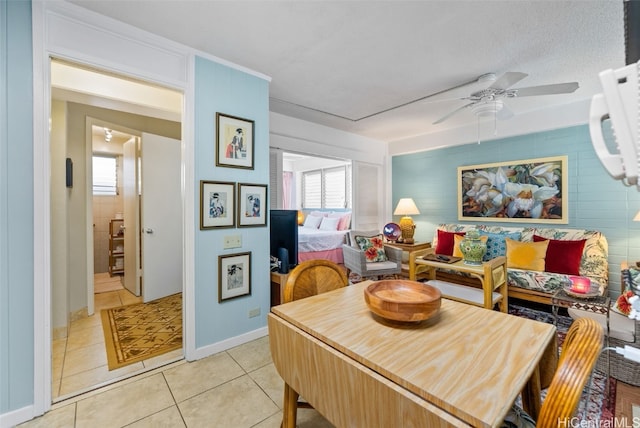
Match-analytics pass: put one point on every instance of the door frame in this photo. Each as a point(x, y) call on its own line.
point(69, 32)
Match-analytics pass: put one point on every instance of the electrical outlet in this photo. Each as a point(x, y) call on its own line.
point(233, 241)
point(254, 312)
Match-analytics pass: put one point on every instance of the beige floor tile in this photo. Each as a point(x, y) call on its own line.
point(196, 377)
point(89, 379)
point(168, 418)
point(124, 405)
point(310, 418)
point(83, 359)
point(269, 380)
point(252, 355)
point(63, 417)
point(106, 300)
point(87, 322)
point(272, 421)
point(81, 338)
point(239, 403)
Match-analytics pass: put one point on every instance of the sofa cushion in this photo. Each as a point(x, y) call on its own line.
point(496, 245)
point(526, 255)
point(446, 242)
point(373, 247)
point(563, 256)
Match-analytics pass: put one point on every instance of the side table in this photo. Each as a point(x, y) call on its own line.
point(407, 249)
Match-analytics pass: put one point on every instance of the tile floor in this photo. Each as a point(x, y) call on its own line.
point(236, 388)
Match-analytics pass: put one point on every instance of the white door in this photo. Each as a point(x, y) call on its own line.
point(161, 210)
point(131, 215)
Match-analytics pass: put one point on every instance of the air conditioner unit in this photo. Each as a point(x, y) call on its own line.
point(619, 102)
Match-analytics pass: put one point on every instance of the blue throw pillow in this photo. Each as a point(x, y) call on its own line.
point(496, 244)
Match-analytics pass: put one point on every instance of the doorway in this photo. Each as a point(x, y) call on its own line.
point(82, 364)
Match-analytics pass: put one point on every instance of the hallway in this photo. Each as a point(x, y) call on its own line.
point(79, 362)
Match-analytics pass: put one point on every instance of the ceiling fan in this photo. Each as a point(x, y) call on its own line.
point(489, 101)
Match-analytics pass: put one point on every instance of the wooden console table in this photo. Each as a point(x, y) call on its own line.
point(407, 250)
point(492, 275)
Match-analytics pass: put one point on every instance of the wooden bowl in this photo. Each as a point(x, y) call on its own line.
point(402, 300)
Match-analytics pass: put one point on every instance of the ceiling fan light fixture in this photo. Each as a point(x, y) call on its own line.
point(487, 109)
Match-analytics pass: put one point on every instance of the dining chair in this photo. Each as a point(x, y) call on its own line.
point(309, 278)
point(355, 259)
point(580, 351)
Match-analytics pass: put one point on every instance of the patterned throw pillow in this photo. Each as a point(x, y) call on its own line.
point(496, 245)
point(563, 256)
point(526, 255)
point(373, 247)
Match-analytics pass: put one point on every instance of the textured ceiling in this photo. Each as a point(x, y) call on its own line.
point(350, 64)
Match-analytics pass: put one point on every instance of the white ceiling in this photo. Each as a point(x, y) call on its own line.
point(349, 64)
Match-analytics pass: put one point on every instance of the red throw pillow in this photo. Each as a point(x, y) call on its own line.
point(562, 256)
point(445, 242)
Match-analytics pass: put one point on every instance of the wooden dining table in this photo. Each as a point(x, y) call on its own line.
point(463, 367)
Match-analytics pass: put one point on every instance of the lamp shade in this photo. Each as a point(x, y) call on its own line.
point(637, 217)
point(406, 206)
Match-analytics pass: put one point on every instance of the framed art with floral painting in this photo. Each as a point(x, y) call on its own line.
point(528, 191)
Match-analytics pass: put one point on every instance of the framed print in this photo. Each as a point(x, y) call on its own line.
point(234, 276)
point(217, 204)
point(234, 142)
point(527, 191)
point(252, 205)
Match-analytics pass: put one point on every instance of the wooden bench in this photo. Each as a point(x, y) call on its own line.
point(463, 293)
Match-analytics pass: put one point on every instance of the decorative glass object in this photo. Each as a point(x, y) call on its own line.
point(473, 248)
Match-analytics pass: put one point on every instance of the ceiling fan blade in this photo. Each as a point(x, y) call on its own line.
point(442, 119)
point(557, 88)
point(508, 79)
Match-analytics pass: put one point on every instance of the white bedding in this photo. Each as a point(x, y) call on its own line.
point(310, 239)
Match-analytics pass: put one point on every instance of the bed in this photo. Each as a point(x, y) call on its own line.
point(322, 237)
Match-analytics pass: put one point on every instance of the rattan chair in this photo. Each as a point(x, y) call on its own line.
point(356, 262)
point(309, 278)
point(580, 351)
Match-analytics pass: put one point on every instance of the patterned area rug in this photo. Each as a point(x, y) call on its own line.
point(137, 332)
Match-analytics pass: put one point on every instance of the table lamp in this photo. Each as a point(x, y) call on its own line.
point(300, 218)
point(406, 207)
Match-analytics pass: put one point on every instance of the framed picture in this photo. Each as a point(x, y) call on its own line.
point(217, 204)
point(252, 205)
point(234, 142)
point(234, 276)
point(528, 191)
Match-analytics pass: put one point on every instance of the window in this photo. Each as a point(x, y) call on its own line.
point(105, 177)
point(327, 188)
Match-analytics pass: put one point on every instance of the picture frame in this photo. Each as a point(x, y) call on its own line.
point(252, 205)
point(217, 204)
point(234, 141)
point(234, 276)
point(524, 191)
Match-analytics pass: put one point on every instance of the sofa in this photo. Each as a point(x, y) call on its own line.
point(565, 255)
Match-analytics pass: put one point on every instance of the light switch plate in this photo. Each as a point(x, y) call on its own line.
point(233, 241)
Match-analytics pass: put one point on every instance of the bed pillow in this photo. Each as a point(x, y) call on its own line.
point(456, 244)
point(373, 247)
point(343, 220)
point(329, 223)
point(318, 214)
point(445, 242)
point(526, 255)
point(563, 256)
point(496, 245)
point(312, 221)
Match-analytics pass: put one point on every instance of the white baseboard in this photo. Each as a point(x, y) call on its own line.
point(232, 342)
point(15, 417)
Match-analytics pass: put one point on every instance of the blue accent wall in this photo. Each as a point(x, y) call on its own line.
point(222, 89)
point(16, 206)
point(595, 200)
